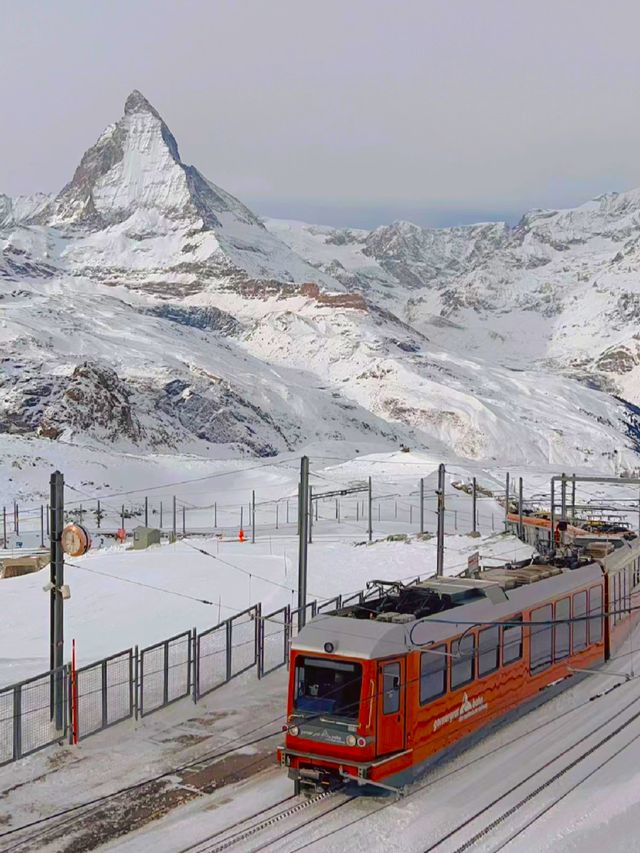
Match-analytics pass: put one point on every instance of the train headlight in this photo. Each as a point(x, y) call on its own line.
point(294, 730)
point(351, 740)
point(362, 741)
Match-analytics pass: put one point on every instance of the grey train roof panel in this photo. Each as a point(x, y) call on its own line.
point(371, 639)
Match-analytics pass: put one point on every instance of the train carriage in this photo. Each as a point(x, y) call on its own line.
point(379, 688)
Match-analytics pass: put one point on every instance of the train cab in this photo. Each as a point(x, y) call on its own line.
point(346, 704)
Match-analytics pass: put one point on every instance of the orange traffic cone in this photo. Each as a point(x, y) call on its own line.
point(241, 535)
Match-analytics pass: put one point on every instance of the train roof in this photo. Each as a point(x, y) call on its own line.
point(496, 596)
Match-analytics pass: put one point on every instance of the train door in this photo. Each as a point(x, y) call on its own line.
point(391, 706)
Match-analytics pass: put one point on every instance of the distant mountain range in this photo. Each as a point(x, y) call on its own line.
point(146, 308)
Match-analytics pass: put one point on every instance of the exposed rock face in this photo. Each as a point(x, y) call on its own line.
point(209, 318)
point(95, 401)
point(91, 400)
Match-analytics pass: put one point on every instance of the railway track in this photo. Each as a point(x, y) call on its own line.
point(484, 823)
point(259, 826)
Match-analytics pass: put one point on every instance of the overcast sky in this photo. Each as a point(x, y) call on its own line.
point(338, 111)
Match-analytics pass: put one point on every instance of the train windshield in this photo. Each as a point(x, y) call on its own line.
point(328, 687)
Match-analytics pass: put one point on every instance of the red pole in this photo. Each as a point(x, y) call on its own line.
point(74, 693)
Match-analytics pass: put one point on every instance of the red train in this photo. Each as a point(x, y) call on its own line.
point(378, 688)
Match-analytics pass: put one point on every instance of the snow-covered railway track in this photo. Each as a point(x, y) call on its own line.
point(244, 830)
point(485, 822)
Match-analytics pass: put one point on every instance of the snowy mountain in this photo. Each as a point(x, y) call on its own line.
point(145, 308)
point(571, 278)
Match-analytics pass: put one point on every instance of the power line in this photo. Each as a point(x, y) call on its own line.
point(140, 583)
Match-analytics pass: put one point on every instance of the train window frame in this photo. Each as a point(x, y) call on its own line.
point(394, 690)
point(506, 642)
point(494, 647)
point(595, 617)
point(538, 638)
point(438, 655)
point(558, 625)
point(460, 659)
point(578, 621)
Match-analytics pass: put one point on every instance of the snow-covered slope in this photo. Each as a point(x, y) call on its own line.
point(146, 308)
point(571, 278)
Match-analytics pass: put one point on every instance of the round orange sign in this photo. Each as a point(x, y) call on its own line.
point(75, 540)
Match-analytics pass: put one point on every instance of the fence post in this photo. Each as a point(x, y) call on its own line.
point(370, 508)
point(184, 520)
point(215, 515)
point(192, 663)
point(161, 525)
point(146, 511)
point(260, 645)
point(17, 722)
point(165, 667)
point(4, 527)
point(229, 638)
point(41, 526)
point(138, 677)
point(287, 511)
point(175, 520)
point(105, 712)
point(421, 504)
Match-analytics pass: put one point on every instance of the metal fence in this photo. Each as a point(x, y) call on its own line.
point(273, 644)
point(30, 717)
point(165, 672)
point(139, 682)
point(104, 693)
point(227, 650)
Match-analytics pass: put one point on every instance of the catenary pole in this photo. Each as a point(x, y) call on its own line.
point(421, 504)
point(520, 518)
point(440, 534)
point(303, 516)
point(506, 502)
point(474, 509)
point(56, 601)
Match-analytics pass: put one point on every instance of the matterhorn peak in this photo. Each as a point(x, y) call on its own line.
point(137, 103)
point(133, 177)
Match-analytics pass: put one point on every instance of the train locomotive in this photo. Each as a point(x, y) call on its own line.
point(379, 688)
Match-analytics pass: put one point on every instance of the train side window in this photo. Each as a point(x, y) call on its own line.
point(579, 624)
point(391, 688)
point(562, 629)
point(488, 650)
point(512, 641)
point(595, 614)
point(462, 658)
point(541, 639)
point(433, 673)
